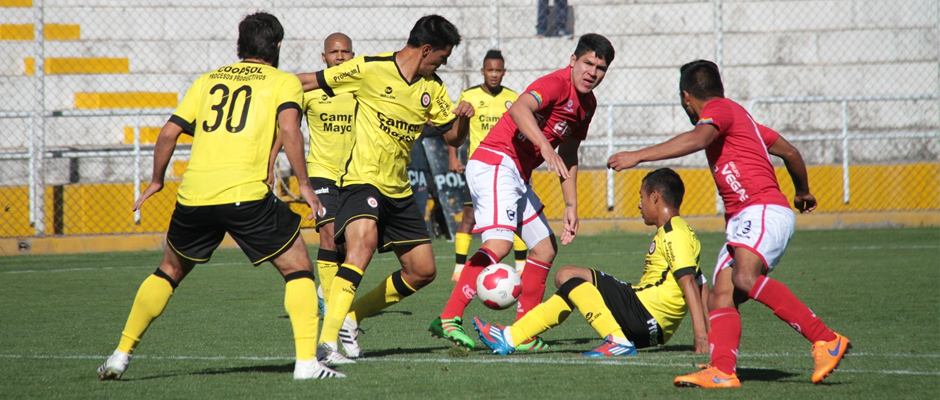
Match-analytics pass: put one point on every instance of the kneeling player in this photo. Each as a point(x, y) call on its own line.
point(627, 317)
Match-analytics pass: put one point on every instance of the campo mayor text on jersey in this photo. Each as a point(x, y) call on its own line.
point(390, 114)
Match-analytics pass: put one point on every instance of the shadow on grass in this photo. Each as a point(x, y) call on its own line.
point(763, 374)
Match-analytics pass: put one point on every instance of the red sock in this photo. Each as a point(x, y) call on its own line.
point(466, 288)
point(724, 338)
point(791, 310)
point(533, 286)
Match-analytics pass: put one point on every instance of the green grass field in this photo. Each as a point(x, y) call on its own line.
point(225, 333)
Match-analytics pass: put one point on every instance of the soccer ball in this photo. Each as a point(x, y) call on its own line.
point(499, 286)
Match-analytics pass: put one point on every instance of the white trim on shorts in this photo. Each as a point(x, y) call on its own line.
point(764, 229)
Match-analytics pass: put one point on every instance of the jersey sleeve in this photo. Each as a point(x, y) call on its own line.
point(769, 136)
point(186, 112)
point(684, 261)
point(344, 78)
point(717, 113)
point(442, 108)
point(291, 94)
point(546, 91)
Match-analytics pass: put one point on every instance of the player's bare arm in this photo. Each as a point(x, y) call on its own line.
point(162, 152)
point(690, 290)
point(680, 145)
point(289, 122)
point(568, 151)
point(458, 133)
point(523, 114)
point(275, 149)
point(796, 167)
point(309, 81)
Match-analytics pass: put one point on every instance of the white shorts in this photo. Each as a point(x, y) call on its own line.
point(763, 229)
point(504, 203)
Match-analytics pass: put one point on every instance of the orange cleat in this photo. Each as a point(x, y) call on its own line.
point(828, 355)
point(708, 378)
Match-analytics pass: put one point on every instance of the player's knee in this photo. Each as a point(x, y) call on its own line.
point(564, 274)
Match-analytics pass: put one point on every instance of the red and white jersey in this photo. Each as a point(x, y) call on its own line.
point(739, 159)
point(562, 114)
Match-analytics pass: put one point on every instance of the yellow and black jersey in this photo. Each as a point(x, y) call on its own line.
point(674, 253)
point(390, 115)
point(330, 121)
point(488, 109)
point(232, 114)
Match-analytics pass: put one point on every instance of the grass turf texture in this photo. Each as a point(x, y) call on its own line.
point(225, 333)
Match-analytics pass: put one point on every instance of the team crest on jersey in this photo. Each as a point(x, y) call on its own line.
point(570, 106)
point(652, 247)
point(372, 202)
point(508, 104)
point(425, 99)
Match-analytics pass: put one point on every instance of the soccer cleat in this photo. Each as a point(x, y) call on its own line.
point(534, 344)
point(610, 348)
point(451, 329)
point(493, 336)
point(708, 378)
point(327, 354)
point(456, 275)
point(114, 366)
point(828, 355)
point(312, 369)
point(349, 338)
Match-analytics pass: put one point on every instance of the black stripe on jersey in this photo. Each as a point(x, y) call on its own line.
point(380, 58)
point(659, 282)
point(182, 123)
point(289, 105)
point(668, 227)
point(684, 271)
point(339, 182)
point(435, 130)
point(321, 82)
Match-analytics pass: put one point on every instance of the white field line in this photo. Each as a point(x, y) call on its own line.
point(628, 361)
point(382, 258)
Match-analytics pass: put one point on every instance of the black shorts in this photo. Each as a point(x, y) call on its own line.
point(263, 229)
point(400, 222)
point(328, 193)
point(637, 323)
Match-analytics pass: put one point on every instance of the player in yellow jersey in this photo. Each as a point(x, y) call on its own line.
point(396, 93)
point(490, 101)
point(232, 113)
point(627, 316)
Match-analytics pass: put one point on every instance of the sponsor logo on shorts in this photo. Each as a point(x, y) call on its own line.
point(372, 202)
point(654, 331)
point(322, 190)
point(745, 230)
point(511, 213)
point(652, 247)
point(425, 99)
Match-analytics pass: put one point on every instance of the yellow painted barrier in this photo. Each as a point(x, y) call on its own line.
point(148, 135)
point(126, 100)
point(50, 32)
point(16, 3)
point(77, 65)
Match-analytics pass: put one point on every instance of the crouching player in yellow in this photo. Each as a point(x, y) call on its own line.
point(627, 316)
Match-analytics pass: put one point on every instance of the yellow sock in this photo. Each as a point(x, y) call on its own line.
point(461, 247)
point(342, 293)
point(387, 293)
point(543, 317)
point(591, 305)
point(519, 248)
point(327, 271)
point(152, 296)
point(300, 297)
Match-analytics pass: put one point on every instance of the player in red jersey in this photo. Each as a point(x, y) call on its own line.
point(553, 112)
point(759, 222)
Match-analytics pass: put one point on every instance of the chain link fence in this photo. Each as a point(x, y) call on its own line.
point(854, 84)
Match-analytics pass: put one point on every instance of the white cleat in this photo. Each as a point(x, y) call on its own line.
point(114, 366)
point(327, 354)
point(349, 338)
point(312, 369)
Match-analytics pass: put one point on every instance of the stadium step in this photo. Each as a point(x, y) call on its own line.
point(50, 32)
point(96, 101)
point(16, 3)
point(148, 135)
point(78, 65)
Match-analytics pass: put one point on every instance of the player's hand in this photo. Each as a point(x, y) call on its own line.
point(554, 162)
point(454, 164)
point(806, 203)
point(464, 109)
point(623, 160)
point(312, 200)
point(701, 344)
point(271, 179)
point(151, 189)
point(571, 225)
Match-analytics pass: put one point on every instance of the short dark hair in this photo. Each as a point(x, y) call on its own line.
point(493, 55)
point(434, 30)
point(701, 79)
point(258, 36)
point(596, 43)
point(669, 185)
